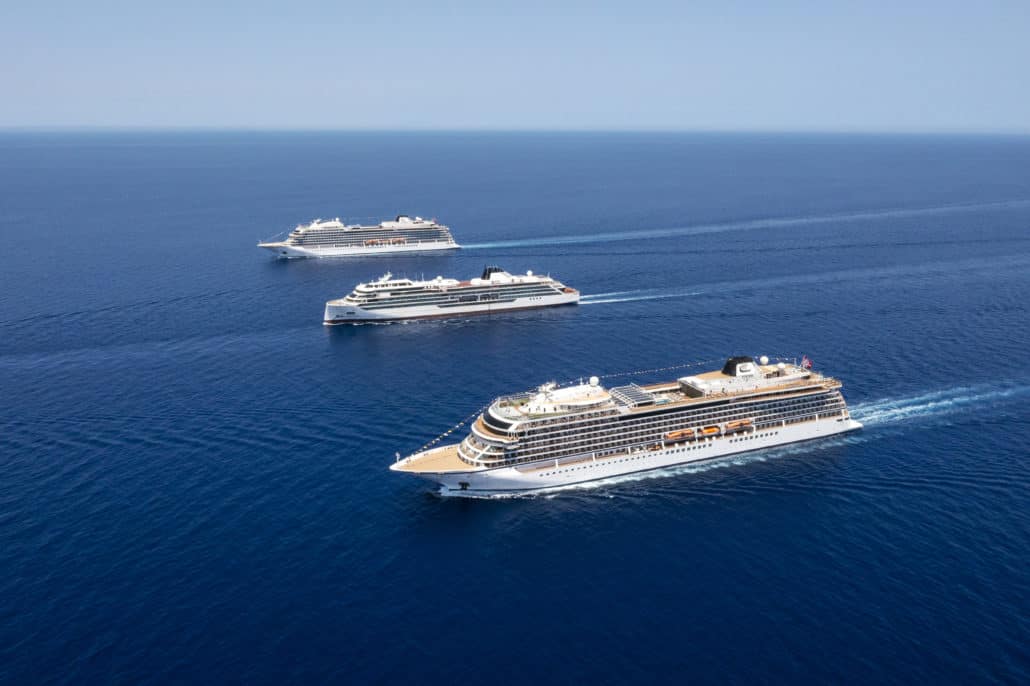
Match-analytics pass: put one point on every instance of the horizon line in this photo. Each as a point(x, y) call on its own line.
point(144, 128)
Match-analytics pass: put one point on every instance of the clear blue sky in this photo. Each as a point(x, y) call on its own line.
point(865, 66)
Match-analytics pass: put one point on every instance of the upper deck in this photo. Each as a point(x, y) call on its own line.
point(672, 394)
point(401, 222)
point(745, 378)
point(550, 400)
point(387, 290)
point(492, 277)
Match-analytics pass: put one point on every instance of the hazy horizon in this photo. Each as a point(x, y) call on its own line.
point(937, 68)
point(72, 128)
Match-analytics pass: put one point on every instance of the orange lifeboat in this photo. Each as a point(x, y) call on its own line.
point(711, 431)
point(681, 435)
point(738, 425)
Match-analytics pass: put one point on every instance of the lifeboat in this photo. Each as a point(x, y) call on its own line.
point(711, 431)
point(739, 425)
point(681, 435)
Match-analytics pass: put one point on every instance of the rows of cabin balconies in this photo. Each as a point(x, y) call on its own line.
point(655, 430)
point(678, 416)
point(584, 431)
point(561, 443)
point(476, 453)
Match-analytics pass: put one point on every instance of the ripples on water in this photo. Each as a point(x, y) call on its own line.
point(193, 469)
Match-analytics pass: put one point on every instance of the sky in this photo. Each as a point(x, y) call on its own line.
point(874, 66)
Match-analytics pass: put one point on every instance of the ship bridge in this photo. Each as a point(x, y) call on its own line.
point(744, 374)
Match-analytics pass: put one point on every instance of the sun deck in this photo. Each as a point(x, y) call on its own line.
point(551, 401)
point(675, 397)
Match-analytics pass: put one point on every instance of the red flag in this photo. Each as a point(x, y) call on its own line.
point(805, 362)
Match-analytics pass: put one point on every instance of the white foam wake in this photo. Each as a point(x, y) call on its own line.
point(630, 296)
point(744, 225)
point(936, 403)
point(864, 274)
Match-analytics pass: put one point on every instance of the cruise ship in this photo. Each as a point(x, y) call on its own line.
point(559, 436)
point(333, 238)
point(496, 291)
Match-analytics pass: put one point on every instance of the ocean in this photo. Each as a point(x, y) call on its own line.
point(194, 481)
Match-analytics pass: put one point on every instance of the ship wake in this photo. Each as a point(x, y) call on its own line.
point(745, 225)
point(865, 275)
point(940, 403)
point(631, 296)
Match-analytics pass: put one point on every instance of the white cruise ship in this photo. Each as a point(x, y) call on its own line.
point(555, 437)
point(494, 292)
point(336, 239)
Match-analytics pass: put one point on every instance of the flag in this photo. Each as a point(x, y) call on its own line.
point(805, 362)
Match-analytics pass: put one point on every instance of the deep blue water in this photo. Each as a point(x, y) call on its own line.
point(193, 470)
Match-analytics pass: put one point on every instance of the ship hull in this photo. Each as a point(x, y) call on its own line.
point(350, 314)
point(540, 476)
point(286, 251)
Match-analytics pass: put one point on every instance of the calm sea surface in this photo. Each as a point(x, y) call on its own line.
point(193, 470)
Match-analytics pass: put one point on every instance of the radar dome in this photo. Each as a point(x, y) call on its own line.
point(764, 359)
point(594, 381)
point(529, 272)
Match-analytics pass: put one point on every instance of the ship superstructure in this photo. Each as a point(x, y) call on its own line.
point(557, 436)
point(496, 291)
point(333, 238)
